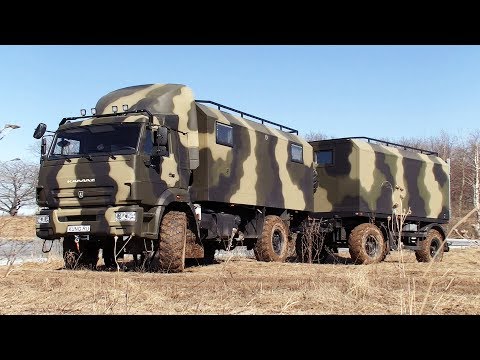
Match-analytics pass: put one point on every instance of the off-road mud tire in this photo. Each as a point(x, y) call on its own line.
point(366, 244)
point(171, 249)
point(432, 243)
point(272, 245)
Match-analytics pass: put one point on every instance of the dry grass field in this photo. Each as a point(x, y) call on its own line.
point(245, 286)
point(17, 227)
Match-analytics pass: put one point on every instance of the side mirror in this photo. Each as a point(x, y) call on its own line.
point(39, 131)
point(162, 136)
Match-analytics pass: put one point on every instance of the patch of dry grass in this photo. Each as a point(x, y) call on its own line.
point(245, 286)
point(17, 227)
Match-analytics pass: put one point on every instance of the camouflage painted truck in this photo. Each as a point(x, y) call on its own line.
point(374, 195)
point(158, 175)
point(163, 177)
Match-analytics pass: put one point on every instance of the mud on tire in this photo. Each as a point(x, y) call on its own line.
point(366, 244)
point(171, 249)
point(432, 244)
point(272, 245)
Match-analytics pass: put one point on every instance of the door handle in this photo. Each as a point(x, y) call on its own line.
point(171, 175)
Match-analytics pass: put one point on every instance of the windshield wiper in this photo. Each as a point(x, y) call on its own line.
point(67, 159)
point(112, 156)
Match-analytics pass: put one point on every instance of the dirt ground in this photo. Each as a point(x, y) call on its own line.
point(245, 286)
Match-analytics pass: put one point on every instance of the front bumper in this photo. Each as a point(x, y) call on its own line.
point(101, 221)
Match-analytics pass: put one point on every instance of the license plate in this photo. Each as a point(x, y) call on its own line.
point(78, 228)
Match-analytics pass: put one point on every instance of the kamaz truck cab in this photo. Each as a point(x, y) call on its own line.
point(111, 175)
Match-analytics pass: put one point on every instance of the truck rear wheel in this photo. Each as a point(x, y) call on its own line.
point(433, 244)
point(272, 245)
point(366, 244)
point(171, 249)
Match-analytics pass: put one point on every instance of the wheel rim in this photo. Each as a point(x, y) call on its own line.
point(277, 241)
point(434, 246)
point(371, 246)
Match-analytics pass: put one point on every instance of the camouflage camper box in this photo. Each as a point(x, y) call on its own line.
point(245, 162)
point(362, 178)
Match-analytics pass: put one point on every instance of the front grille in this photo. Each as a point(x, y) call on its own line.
point(77, 218)
point(89, 196)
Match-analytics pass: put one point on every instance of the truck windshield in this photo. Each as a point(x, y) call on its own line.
point(93, 140)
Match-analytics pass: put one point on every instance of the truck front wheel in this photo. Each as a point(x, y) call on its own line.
point(366, 244)
point(272, 245)
point(433, 244)
point(171, 249)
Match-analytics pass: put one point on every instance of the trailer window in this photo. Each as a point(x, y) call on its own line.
point(324, 157)
point(296, 152)
point(224, 134)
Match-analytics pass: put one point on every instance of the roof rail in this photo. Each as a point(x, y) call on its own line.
point(150, 116)
point(389, 143)
point(242, 113)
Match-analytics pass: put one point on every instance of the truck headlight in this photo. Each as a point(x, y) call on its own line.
point(43, 219)
point(126, 216)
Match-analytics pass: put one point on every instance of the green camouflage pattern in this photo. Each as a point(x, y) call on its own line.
point(125, 181)
point(162, 99)
point(368, 178)
point(256, 170)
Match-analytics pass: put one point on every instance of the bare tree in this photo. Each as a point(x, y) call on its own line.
point(461, 189)
point(17, 185)
point(444, 144)
point(473, 163)
point(36, 147)
point(316, 135)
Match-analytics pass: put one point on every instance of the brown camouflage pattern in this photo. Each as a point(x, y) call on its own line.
point(257, 170)
point(125, 181)
point(160, 99)
point(368, 178)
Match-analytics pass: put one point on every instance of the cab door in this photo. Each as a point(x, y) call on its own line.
point(159, 171)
